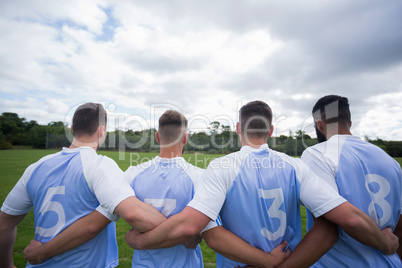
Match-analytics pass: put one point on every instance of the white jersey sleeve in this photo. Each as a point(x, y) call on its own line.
point(106, 180)
point(320, 166)
point(315, 194)
point(195, 173)
point(196, 176)
point(18, 201)
point(215, 182)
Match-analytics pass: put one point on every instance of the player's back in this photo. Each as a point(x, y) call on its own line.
point(371, 180)
point(168, 185)
point(60, 194)
point(262, 204)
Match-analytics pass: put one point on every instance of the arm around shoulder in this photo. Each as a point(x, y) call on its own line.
point(139, 215)
point(233, 247)
point(321, 238)
point(362, 228)
point(73, 236)
point(171, 232)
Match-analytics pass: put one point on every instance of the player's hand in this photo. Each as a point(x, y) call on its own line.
point(132, 238)
point(32, 252)
point(278, 254)
point(393, 241)
point(193, 241)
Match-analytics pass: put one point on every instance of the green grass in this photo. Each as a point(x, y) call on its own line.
point(14, 162)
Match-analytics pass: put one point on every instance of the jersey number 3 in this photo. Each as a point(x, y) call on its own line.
point(274, 212)
point(55, 206)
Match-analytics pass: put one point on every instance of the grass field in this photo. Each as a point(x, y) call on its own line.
point(14, 162)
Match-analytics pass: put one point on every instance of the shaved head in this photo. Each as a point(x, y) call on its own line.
point(172, 127)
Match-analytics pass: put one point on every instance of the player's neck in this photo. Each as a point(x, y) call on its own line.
point(170, 152)
point(337, 130)
point(255, 143)
point(84, 142)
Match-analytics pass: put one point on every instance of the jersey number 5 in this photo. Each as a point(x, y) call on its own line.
point(55, 206)
point(274, 212)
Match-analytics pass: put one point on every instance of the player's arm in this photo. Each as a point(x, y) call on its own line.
point(398, 233)
point(143, 217)
point(352, 220)
point(171, 232)
point(233, 247)
point(362, 228)
point(90, 226)
point(8, 234)
point(321, 238)
point(73, 236)
point(116, 196)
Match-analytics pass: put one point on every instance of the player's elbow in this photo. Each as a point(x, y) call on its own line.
point(132, 217)
point(189, 230)
point(212, 242)
point(332, 239)
point(93, 229)
point(211, 238)
point(353, 224)
point(332, 236)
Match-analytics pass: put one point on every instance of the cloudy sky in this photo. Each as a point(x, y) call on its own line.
point(205, 58)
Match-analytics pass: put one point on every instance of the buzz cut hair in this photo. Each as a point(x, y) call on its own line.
point(172, 127)
point(255, 119)
point(88, 118)
point(332, 109)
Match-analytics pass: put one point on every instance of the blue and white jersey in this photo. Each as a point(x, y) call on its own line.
point(65, 187)
point(258, 192)
point(167, 184)
point(369, 179)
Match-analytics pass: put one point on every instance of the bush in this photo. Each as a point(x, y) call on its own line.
point(4, 145)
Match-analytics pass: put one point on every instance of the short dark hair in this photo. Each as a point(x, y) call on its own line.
point(255, 119)
point(172, 126)
point(332, 109)
point(87, 119)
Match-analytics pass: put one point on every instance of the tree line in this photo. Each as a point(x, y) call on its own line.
point(219, 139)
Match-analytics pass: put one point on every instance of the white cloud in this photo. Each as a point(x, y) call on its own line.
point(203, 57)
point(383, 118)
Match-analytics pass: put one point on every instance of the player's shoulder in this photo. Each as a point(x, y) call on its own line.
point(192, 167)
point(227, 160)
point(103, 161)
point(293, 161)
point(46, 157)
point(33, 166)
point(329, 150)
point(192, 171)
point(143, 165)
point(134, 171)
point(319, 147)
point(283, 156)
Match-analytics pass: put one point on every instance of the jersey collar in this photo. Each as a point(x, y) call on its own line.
point(174, 159)
point(346, 136)
point(68, 150)
point(251, 149)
